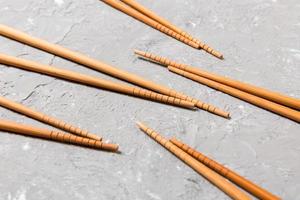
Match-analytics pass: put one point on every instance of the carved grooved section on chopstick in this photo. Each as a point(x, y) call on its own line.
point(210, 175)
point(72, 139)
point(17, 107)
point(161, 98)
point(68, 127)
point(201, 104)
point(89, 80)
point(149, 21)
point(198, 103)
point(55, 135)
point(206, 106)
point(247, 185)
point(176, 35)
point(210, 50)
point(142, 9)
point(185, 34)
point(162, 60)
point(217, 81)
point(202, 158)
point(164, 142)
point(167, 62)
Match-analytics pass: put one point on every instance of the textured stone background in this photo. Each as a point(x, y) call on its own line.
point(260, 41)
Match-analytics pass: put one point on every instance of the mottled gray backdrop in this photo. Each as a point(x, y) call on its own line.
point(260, 41)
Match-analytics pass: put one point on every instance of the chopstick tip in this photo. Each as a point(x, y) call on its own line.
point(139, 124)
point(138, 52)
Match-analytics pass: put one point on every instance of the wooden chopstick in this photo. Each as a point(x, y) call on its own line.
point(17, 107)
point(102, 67)
point(134, 4)
point(242, 182)
point(257, 91)
point(203, 170)
point(255, 100)
point(154, 24)
point(92, 81)
point(55, 135)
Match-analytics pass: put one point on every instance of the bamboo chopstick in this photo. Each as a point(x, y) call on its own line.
point(134, 4)
point(17, 107)
point(55, 135)
point(209, 174)
point(257, 91)
point(142, 18)
point(247, 185)
point(263, 103)
point(92, 81)
point(102, 67)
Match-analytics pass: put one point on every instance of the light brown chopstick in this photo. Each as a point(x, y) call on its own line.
point(257, 91)
point(102, 67)
point(248, 97)
point(92, 81)
point(134, 4)
point(17, 107)
point(255, 100)
point(203, 170)
point(143, 18)
point(242, 182)
point(27, 130)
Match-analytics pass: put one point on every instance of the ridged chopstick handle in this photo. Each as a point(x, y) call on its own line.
point(175, 35)
point(203, 46)
point(154, 18)
point(17, 107)
point(162, 60)
point(142, 9)
point(204, 106)
point(202, 158)
point(149, 21)
point(55, 135)
point(69, 128)
point(92, 81)
point(161, 98)
point(212, 109)
point(72, 139)
point(159, 59)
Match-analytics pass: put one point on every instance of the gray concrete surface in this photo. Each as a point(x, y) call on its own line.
point(261, 44)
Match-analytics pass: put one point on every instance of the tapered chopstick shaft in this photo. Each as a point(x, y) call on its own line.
point(102, 67)
point(247, 185)
point(263, 103)
point(55, 135)
point(210, 175)
point(92, 81)
point(257, 91)
point(134, 4)
point(17, 107)
point(143, 18)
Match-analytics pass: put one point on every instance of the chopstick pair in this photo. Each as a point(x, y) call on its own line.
point(92, 81)
point(32, 131)
point(161, 93)
point(141, 13)
point(83, 138)
point(278, 103)
point(19, 108)
point(210, 169)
